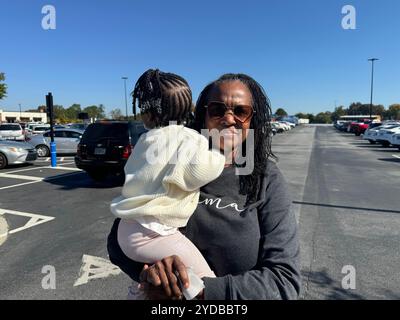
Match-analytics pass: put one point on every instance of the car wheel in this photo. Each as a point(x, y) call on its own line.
point(372, 141)
point(43, 151)
point(3, 161)
point(385, 144)
point(97, 175)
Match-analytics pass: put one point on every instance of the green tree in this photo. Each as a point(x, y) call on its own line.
point(358, 108)
point(59, 114)
point(301, 115)
point(95, 111)
point(72, 112)
point(339, 111)
point(323, 117)
point(310, 117)
point(116, 114)
point(3, 86)
point(281, 112)
point(394, 111)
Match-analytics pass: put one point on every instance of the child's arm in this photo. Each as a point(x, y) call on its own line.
point(196, 165)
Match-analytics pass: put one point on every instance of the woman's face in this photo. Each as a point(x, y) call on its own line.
point(232, 93)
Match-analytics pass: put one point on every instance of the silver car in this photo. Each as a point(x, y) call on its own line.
point(66, 141)
point(13, 152)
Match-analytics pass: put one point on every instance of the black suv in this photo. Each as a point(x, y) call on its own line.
point(106, 146)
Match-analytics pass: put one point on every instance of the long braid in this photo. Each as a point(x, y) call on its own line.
point(260, 123)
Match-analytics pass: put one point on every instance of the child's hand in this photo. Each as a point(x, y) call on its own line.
point(162, 273)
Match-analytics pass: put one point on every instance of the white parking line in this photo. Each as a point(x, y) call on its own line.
point(29, 169)
point(3, 230)
point(20, 177)
point(18, 185)
point(39, 180)
point(47, 159)
point(95, 268)
point(65, 168)
point(65, 163)
point(395, 156)
point(35, 219)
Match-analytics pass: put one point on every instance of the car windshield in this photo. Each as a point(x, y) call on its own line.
point(106, 130)
point(41, 128)
point(10, 127)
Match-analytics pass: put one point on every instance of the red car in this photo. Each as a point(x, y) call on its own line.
point(359, 127)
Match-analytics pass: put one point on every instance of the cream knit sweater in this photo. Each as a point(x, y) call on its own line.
point(164, 173)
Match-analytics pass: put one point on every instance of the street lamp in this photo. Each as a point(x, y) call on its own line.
point(20, 114)
point(372, 86)
point(126, 103)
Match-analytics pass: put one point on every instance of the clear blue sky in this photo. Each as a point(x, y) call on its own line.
point(296, 49)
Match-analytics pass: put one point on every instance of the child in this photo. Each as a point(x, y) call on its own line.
point(167, 167)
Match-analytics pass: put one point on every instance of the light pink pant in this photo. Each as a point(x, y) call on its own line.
point(144, 245)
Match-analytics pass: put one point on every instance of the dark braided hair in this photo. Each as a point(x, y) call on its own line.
point(166, 96)
point(260, 123)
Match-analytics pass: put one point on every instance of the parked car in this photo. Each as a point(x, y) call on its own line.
point(358, 128)
point(106, 146)
point(384, 136)
point(372, 134)
point(278, 127)
point(290, 124)
point(66, 141)
point(343, 125)
point(36, 129)
point(11, 131)
point(395, 140)
point(15, 152)
point(285, 126)
point(79, 126)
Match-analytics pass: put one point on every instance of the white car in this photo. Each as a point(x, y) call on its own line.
point(395, 140)
point(11, 131)
point(290, 124)
point(37, 129)
point(280, 126)
point(372, 134)
point(384, 136)
point(286, 127)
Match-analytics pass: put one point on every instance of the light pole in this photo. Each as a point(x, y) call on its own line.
point(372, 86)
point(20, 114)
point(126, 102)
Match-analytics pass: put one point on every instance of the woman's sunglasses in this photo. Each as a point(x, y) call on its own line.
point(217, 110)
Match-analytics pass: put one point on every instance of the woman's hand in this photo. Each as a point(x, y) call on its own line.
point(162, 274)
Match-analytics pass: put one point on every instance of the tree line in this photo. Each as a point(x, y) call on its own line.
point(70, 114)
point(355, 108)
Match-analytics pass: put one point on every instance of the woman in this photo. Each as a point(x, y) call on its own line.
point(243, 225)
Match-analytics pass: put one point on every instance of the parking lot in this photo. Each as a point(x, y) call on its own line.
point(345, 196)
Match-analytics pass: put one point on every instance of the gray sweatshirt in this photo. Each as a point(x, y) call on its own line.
point(254, 251)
